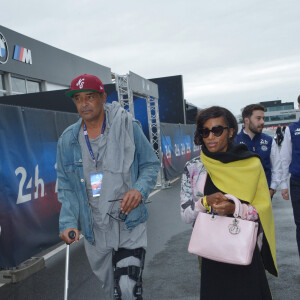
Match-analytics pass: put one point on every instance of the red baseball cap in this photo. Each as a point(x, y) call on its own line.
point(84, 83)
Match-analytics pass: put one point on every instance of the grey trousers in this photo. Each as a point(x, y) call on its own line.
point(100, 255)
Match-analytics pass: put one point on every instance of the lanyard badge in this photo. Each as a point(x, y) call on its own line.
point(96, 183)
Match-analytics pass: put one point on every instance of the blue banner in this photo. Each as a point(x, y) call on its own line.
point(177, 143)
point(29, 208)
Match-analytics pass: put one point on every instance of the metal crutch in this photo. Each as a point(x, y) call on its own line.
point(72, 235)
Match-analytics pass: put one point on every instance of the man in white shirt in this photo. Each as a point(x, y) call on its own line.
point(290, 157)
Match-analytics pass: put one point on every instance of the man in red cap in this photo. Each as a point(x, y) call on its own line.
point(106, 169)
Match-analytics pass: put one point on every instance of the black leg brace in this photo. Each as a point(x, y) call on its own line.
point(134, 272)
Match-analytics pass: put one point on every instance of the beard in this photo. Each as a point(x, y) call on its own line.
point(255, 129)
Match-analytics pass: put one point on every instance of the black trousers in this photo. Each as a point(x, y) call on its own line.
point(220, 281)
point(295, 198)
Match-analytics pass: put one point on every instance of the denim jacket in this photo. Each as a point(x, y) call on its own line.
point(71, 184)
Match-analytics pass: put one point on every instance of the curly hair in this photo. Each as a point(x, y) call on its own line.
point(215, 112)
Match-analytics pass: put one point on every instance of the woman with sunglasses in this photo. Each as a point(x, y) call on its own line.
point(223, 168)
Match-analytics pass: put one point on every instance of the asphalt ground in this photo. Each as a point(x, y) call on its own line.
point(170, 271)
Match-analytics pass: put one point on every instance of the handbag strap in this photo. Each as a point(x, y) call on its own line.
point(237, 203)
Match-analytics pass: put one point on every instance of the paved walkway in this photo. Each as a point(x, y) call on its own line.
point(170, 271)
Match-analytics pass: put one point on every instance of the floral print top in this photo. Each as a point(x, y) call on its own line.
point(192, 191)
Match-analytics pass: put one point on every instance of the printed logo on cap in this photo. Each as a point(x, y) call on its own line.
point(3, 49)
point(101, 87)
point(80, 83)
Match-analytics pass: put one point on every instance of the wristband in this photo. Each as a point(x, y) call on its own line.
point(208, 208)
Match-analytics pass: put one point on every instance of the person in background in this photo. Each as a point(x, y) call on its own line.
point(290, 157)
point(279, 136)
point(106, 169)
point(223, 168)
point(283, 130)
point(262, 144)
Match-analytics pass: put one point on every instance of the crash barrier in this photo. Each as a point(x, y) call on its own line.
point(177, 142)
point(29, 208)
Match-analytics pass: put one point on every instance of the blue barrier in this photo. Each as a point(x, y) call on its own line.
point(177, 142)
point(29, 209)
point(28, 191)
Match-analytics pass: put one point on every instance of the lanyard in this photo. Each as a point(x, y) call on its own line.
point(88, 141)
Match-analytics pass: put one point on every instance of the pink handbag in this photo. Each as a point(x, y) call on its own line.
point(224, 239)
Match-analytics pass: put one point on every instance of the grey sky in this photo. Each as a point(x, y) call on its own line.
point(230, 53)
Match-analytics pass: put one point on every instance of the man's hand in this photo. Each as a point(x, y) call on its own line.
point(285, 194)
point(65, 235)
point(130, 201)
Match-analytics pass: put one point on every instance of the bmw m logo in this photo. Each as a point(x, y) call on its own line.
point(3, 49)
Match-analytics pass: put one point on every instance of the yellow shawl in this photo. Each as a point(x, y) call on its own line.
point(246, 180)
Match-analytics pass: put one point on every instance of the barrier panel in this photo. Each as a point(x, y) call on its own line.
point(171, 99)
point(29, 208)
point(177, 142)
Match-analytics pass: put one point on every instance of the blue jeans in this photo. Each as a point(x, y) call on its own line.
point(295, 198)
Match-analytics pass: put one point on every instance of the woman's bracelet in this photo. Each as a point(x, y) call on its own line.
point(205, 204)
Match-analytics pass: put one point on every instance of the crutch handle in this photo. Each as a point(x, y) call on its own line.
point(72, 234)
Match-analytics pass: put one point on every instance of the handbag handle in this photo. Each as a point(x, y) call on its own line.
point(237, 203)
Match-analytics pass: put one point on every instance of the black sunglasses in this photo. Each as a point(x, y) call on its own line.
point(120, 216)
point(216, 131)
